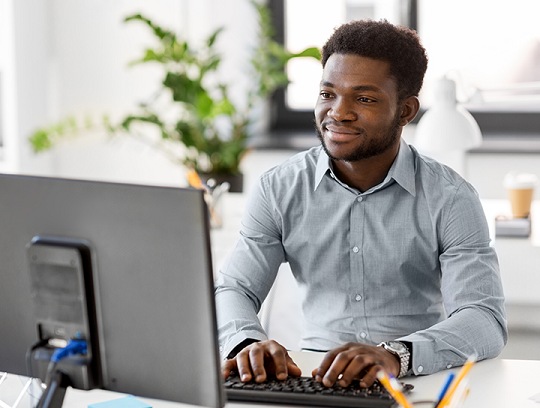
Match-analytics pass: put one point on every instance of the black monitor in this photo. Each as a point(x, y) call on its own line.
point(144, 252)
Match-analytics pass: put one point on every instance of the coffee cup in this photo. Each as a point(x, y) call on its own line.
point(520, 188)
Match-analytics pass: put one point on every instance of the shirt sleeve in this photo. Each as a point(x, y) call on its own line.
point(471, 288)
point(249, 271)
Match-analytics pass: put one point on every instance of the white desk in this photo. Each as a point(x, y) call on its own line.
point(494, 384)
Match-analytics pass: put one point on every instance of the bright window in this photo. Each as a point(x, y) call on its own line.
point(491, 48)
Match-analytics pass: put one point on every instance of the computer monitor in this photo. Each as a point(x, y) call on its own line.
point(152, 272)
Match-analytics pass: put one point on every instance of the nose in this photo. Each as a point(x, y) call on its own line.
point(341, 111)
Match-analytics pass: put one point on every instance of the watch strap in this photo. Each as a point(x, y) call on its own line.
point(403, 356)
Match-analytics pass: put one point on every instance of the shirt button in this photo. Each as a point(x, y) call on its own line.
point(358, 298)
point(449, 366)
point(363, 335)
point(420, 369)
point(355, 249)
point(360, 199)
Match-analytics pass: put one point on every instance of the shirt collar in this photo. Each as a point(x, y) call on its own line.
point(402, 170)
point(323, 166)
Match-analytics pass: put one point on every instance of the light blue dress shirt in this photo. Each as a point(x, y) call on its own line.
point(409, 259)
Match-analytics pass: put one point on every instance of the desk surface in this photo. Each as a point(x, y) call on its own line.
point(494, 384)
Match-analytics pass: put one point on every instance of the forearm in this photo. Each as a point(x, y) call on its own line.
point(238, 323)
point(470, 331)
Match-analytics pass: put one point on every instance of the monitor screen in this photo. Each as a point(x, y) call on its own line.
point(152, 271)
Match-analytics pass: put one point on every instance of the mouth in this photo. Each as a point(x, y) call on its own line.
point(340, 134)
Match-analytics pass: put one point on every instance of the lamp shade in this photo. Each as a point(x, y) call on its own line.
point(447, 126)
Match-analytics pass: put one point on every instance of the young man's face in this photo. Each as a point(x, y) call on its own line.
point(357, 112)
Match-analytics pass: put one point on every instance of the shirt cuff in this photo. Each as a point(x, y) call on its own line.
point(226, 349)
point(426, 358)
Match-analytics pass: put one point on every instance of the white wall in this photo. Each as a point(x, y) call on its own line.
point(31, 44)
point(72, 59)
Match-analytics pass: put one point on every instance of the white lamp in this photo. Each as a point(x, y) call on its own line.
point(446, 131)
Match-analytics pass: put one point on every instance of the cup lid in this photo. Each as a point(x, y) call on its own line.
point(519, 181)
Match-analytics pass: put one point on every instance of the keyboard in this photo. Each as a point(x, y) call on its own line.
point(307, 391)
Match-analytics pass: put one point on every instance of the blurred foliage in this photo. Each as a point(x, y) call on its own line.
point(203, 105)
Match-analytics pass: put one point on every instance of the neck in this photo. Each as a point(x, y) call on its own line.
point(366, 173)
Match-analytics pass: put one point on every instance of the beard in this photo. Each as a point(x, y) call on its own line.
point(370, 147)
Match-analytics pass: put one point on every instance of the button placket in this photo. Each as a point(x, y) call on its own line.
point(357, 266)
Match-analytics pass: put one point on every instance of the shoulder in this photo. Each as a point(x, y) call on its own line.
point(435, 177)
point(299, 168)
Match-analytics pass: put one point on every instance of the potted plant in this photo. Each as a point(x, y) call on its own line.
point(211, 128)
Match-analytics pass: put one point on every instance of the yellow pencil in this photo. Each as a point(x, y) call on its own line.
point(394, 390)
point(194, 180)
point(462, 373)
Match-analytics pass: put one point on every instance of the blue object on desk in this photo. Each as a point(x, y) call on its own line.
point(445, 388)
point(127, 402)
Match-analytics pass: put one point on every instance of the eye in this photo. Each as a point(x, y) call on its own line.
point(325, 95)
point(365, 99)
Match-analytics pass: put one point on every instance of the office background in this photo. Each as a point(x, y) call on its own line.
point(60, 58)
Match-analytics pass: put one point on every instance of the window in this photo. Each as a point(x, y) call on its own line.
point(491, 49)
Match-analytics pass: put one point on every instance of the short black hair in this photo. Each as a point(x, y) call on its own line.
point(397, 45)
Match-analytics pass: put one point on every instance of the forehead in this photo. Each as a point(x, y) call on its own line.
point(353, 71)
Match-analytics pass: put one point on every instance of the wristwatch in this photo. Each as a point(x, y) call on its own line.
point(400, 350)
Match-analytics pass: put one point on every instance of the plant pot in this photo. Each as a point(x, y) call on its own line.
point(235, 180)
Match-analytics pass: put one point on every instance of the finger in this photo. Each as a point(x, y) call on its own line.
point(227, 367)
point(243, 365)
point(256, 361)
point(338, 366)
point(325, 365)
point(280, 360)
point(370, 376)
point(292, 368)
point(356, 366)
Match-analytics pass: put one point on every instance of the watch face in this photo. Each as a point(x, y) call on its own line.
point(396, 345)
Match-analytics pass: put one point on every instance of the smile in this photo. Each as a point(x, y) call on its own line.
point(341, 135)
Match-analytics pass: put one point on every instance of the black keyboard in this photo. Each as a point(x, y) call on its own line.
point(307, 391)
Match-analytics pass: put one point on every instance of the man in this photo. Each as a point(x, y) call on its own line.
point(390, 248)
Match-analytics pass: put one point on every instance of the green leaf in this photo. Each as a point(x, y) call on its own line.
point(179, 51)
point(150, 118)
point(223, 107)
point(167, 37)
point(40, 141)
point(203, 104)
point(212, 39)
point(312, 52)
point(183, 88)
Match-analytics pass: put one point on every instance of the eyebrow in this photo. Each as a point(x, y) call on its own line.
point(356, 88)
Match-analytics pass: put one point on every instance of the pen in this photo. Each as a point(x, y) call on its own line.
point(444, 388)
point(462, 373)
point(393, 389)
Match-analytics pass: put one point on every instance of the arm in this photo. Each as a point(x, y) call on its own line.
point(472, 292)
point(243, 283)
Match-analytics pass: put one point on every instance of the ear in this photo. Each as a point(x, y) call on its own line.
point(409, 110)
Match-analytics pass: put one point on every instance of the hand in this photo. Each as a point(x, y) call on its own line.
point(259, 359)
point(355, 361)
